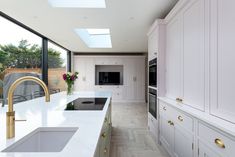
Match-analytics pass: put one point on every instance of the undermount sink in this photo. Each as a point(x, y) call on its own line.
point(44, 139)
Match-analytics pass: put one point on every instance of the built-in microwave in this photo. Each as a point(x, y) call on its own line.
point(153, 72)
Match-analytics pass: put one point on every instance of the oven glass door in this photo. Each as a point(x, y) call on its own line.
point(153, 105)
point(153, 75)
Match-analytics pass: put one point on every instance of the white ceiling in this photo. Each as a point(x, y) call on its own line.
point(128, 21)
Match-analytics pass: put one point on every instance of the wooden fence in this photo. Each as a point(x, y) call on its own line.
point(55, 79)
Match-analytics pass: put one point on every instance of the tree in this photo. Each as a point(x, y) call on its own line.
point(26, 55)
point(54, 60)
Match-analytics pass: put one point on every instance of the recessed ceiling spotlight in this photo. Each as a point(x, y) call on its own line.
point(35, 17)
point(78, 3)
point(131, 18)
point(85, 17)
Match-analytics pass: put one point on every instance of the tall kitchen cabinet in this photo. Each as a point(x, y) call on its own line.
point(153, 43)
point(185, 55)
point(173, 58)
point(200, 56)
point(222, 57)
point(134, 78)
point(86, 76)
point(156, 50)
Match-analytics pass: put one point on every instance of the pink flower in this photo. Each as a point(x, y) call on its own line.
point(72, 77)
point(64, 76)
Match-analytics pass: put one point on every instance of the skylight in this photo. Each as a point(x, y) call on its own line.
point(95, 38)
point(78, 3)
point(98, 31)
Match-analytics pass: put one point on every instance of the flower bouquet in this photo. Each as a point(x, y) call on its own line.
point(70, 79)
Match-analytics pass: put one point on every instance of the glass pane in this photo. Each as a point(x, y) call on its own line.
point(20, 55)
point(57, 63)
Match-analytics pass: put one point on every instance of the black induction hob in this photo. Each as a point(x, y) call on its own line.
point(86, 104)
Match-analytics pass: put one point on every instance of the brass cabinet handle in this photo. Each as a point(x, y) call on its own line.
point(180, 118)
point(172, 123)
point(103, 135)
point(164, 108)
point(219, 143)
point(179, 99)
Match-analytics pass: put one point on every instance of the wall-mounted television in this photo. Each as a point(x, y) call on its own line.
point(109, 78)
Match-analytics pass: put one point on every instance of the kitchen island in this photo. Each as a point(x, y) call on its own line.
point(86, 141)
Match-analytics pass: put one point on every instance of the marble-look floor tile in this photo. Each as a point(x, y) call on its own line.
point(130, 137)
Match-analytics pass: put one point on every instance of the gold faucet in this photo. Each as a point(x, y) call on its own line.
point(10, 115)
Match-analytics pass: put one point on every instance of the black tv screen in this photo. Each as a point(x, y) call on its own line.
point(109, 78)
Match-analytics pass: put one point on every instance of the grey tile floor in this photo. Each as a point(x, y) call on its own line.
point(130, 137)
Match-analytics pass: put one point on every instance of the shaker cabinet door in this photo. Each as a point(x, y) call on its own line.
point(166, 133)
point(222, 55)
point(173, 58)
point(194, 55)
point(183, 143)
point(205, 151)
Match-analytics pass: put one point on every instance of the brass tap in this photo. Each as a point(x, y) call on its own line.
point(10, 115)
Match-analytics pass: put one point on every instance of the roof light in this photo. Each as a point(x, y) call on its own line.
point(95, 38)
point(78, 3)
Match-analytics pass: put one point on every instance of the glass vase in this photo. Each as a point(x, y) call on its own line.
point(69, 89)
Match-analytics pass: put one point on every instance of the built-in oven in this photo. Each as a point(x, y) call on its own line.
point(153, 73)
point(153, 102)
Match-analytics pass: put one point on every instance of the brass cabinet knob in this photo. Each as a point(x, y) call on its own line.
point(180, 118)
point(179, 99)
point(219, 143)
point(164, 108)
point(103, 135)
point(170, 122)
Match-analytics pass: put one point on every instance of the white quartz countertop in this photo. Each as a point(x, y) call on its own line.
point(220, 124)
point(38, 113)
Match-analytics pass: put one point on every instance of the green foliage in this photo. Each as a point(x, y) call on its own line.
point(26, 55)
point(54, 60)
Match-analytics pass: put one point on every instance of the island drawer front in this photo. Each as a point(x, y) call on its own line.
point(184, 120)
point(216, 140)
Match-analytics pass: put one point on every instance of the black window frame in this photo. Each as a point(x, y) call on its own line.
point(45, 40)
